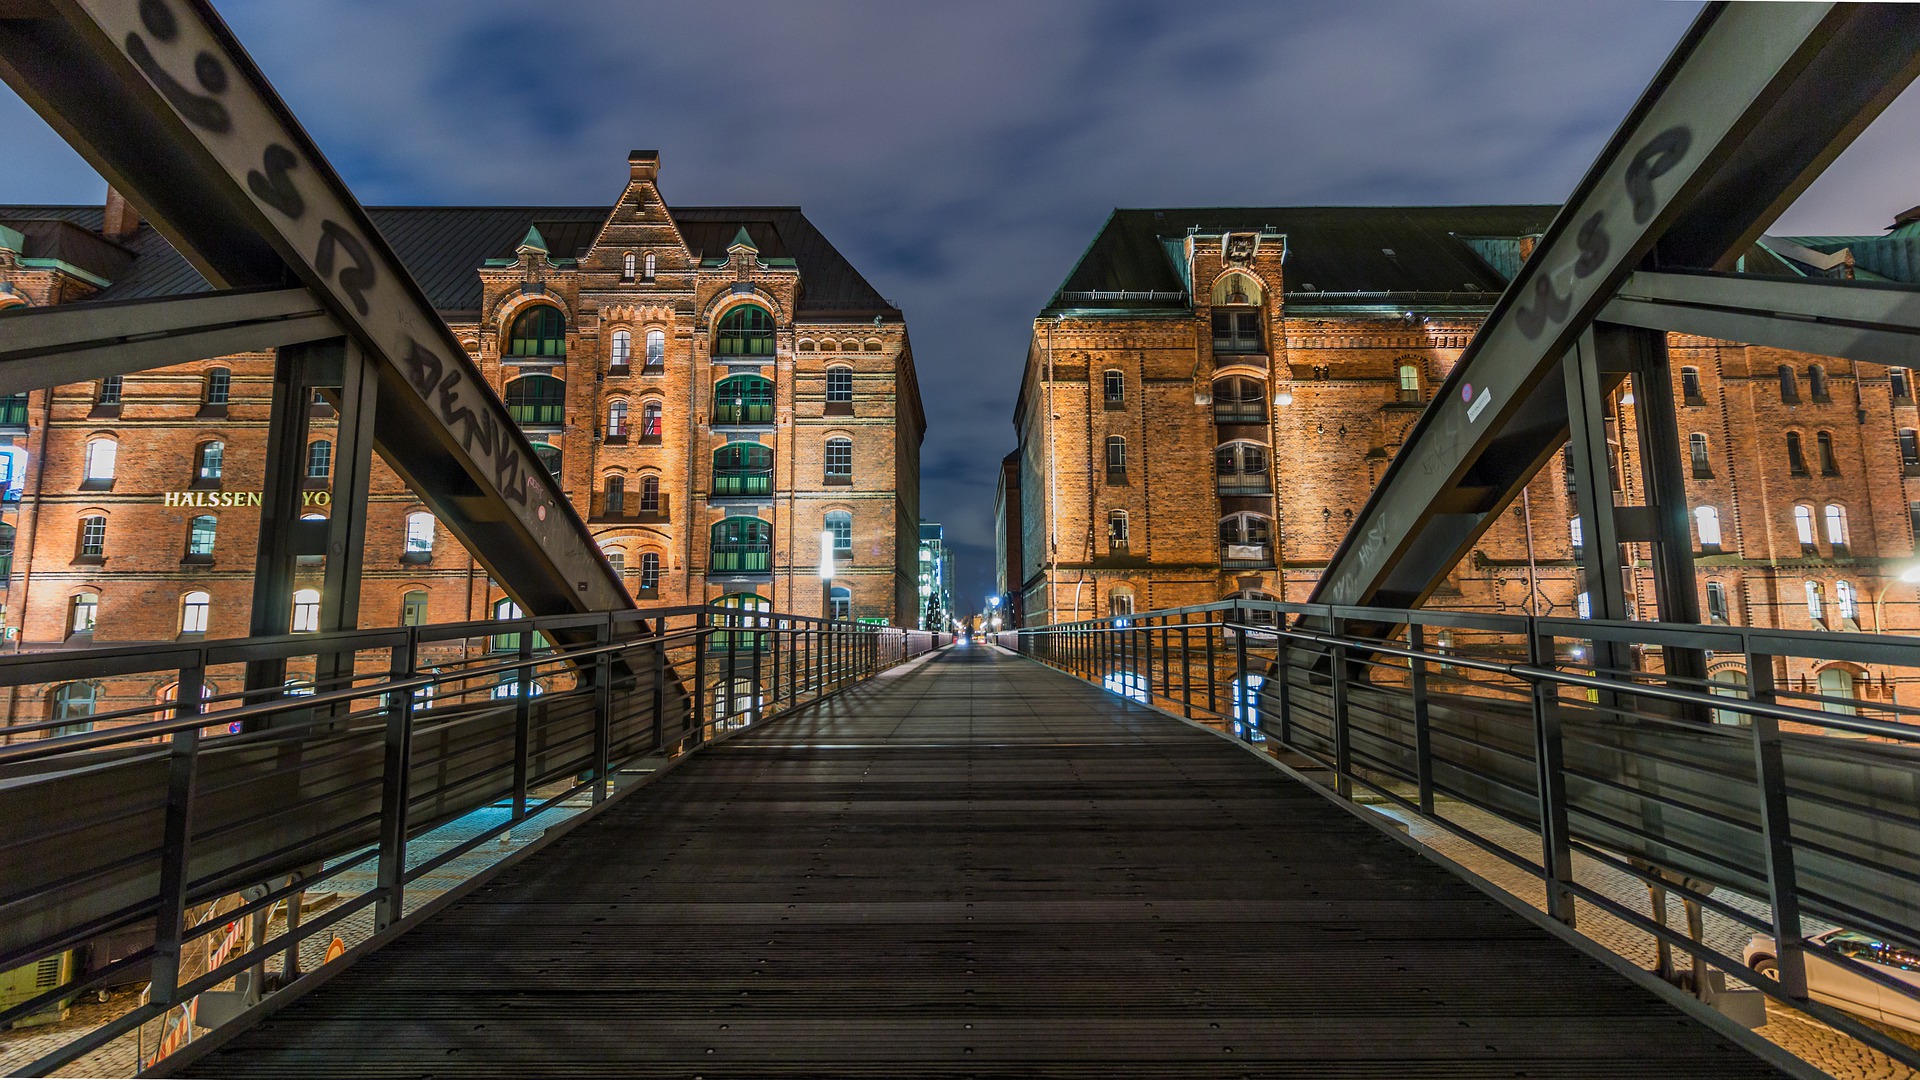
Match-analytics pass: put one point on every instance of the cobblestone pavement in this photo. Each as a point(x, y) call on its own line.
point(118, 1058)
point(1827, 1049)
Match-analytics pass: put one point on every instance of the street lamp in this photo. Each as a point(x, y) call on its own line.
point(826, 573)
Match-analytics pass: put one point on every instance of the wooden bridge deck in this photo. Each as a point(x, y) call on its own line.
point(977, 867)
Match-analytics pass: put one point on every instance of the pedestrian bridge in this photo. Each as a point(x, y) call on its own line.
point(972, 865)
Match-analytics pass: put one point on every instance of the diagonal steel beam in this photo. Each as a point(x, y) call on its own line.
point(71, 343)
point(1723, 137)
point(161, 99)
point(1868, 322)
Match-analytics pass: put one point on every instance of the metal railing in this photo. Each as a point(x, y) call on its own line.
point(176, 802)
point(1779, 809)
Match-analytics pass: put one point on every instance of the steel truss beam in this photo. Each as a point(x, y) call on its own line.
point(161, 99)
point(78, 342)
point(1754, 103)
point(1869, 322)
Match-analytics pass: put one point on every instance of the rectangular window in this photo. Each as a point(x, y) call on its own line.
point(1909, 448)
point(839, 457)
point(200, 535)
point(1690, 385)
point(1697, 449)
point(1816, 602)
point(1236, 330)
point(649, 571)
point(413, 609)
point(109, 391)
point(1902, 385)
point(1117, 528)
point(1716, 602)
point(86, 611)
point(93, 537)
point(1116, 454)
point(320, 460)
point(1116, 389)
point(193, 615)
point(840, 385)
point(219, 386)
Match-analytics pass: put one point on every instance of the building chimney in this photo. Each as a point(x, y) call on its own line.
point(121, 218)
point(645, 164)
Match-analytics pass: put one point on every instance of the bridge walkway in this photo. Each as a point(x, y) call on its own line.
point(977, 866)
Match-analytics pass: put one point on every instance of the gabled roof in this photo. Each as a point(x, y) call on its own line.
point(444, 246)
point(1332, 249)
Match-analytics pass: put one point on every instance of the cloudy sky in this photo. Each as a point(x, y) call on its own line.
point(963, 154)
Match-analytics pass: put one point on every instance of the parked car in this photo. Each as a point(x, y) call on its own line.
point(1830, 983)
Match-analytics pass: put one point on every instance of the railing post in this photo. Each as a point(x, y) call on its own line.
point(753, 707)
point(1242, 700)
point(1186, 665)
point(522, 724)
point(390, 873)
point(1551, 768)
point(1422, 726)
point(1283, 670)
point(1213, 680)
point(1342, 737)
point(773, 657)
point(660, 684)
point(603, 710)
point(1776, 829)
point(700, 677)
point(724, 712)
point(183, 767)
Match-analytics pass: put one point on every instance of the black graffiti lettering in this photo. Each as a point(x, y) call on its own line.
point(423, 367)
point(1594, 245)
point(1548, 307)
point(274, 187)
point(159, 20)
point(508, 474)
point(211, 73)
point(355, 279)
point(198, 109)
point(1654, 160)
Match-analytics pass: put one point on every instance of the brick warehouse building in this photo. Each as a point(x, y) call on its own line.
point(1212, 394)
point(714, 387)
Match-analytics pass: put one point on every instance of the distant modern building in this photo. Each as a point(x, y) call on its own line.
point(1007, 557)
point(714, 387)
point(936, 575)
point(1212, 394)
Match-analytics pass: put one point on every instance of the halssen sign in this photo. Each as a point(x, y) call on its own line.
point(238, 498)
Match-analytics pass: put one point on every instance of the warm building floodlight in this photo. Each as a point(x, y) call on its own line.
point(826, 555)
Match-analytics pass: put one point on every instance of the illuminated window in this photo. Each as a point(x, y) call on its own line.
point(306, 611)
point(621, 350)
point(537, 399)
point(194, 608)
point(1583, 605)
point(1409, 383)
point(101, 455)
point(840, 524)
point(82, 612)
point(1816, 598)
point(413, 609)
point(649, 571)
point(1116, 388)
point(1117, 528)
point(539, 331)
point(93, 537)
point(627, 266)
point(840, 603)
point(1803, 526)
point(200, 534)
point(617, 560)
point(839, 460)
point(1844, 597)
point(1707, 520)
point(1120, 600)
point(1836, 525)
point(210, 461)
point(743, 399)
point(656, 348)
point(617, 420)
point(420, 534)
point(744, 331)
point(1902, 383)
point(1578, 535)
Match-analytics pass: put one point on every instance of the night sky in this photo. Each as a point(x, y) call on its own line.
point(963, 154)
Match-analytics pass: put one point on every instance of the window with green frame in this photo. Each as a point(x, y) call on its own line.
point(538, 331)
point(741, 545)
point(743, 399)
point(743, 603)
point(745, 331)
point(537, 399)
point(743, 468)
point(549, 456)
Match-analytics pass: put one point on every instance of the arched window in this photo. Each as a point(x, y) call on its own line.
point(537, 399)
point(650, 494)
point(840, 524)
point(1837, 527)
point(306, 611)
point(741, 699)
point(1817, 382)
point(219, 387)
point(1697, 450)
point(549, 456)
point(840, 603)
point(319, 459)
point(1236, 316)
point(656, 348)
point(1816, 602)
point(1409, 383)
point(650, 421)
point(1118, 533)
point(101, 456)
point(1114, 385)
point(1729, 684)
point(200, 535)
point(650, 265)
point(616, 420)
point(1246, 541)
point(743, 468)
point(1242, 469)
point(743, 399)
point(840, 386)
point(1836, 685)
point(1236, 289)
point(419, 536)
point(82, 612)
point(1843, 596)
point(741, 545)
point(1239, 400)
point(504, 610)
point(194, 609)
point(1796, 457)
point(540, 331)
point(744, 331)
point(649, 572)
point(1116, 456)
point(616, 560)
point(1803, 526)
point(1823, 442)
point(839, 461)
point(1707, 520)
point(93, 537)
point(615, 499)
point(1120, 600)
point(73, 706)
point(413, 608)
point(627, 264)
point(1789, 386)
point(620, 351)
point(209, 462)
